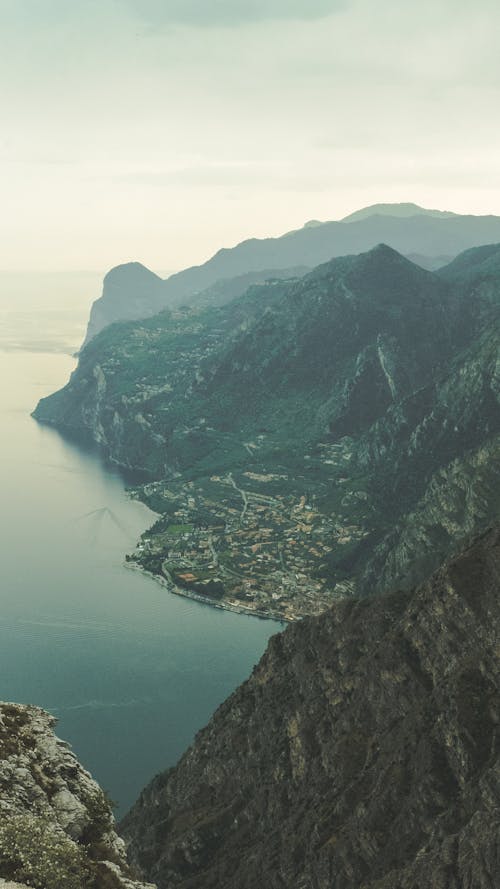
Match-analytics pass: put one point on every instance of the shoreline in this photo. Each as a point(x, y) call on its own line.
point(206, 600)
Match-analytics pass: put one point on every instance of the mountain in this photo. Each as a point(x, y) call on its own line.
point(435, 237)
point(132, 292)
point(401, 211)
point(57, 830)
point(312, 438)
point(362, 752)
point(227, 289)
point(129, 291)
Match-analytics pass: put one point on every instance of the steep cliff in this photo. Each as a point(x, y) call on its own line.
point(363, 752)
point(129, 291)
point(56, 826)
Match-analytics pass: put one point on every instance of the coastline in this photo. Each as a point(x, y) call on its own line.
point(206, 600)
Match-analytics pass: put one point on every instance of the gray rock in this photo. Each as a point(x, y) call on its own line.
point(44, 788)
point(362, 753)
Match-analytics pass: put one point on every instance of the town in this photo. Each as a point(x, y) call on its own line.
point(250, 541)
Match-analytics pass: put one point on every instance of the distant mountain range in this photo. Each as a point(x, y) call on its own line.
point(400, 211)
point(430, 237)
point(356, 410)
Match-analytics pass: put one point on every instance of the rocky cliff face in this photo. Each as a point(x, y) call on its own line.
point(56, 826)
point(129, 291)
point(363, 752)
point(437, 452)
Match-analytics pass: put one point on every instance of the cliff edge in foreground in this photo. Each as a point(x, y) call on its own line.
point(362, 753)
point(56, 826)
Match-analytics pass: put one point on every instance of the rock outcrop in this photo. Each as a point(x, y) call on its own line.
point(363, 752)
point(129, 291)
point(56, 825)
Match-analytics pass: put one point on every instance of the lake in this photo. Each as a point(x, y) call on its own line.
point(130, 670)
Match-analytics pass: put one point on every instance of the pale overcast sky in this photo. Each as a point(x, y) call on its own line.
point(161, 130)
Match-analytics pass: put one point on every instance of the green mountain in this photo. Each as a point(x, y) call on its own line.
point(362, 752)
point(432, 237)
point(311, 438)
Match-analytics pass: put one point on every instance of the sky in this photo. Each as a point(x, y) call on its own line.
point(162, 130)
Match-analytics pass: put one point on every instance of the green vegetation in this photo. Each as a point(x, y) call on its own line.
point(178, 530)
point(35, 852)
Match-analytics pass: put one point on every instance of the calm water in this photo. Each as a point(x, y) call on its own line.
point(130, 671)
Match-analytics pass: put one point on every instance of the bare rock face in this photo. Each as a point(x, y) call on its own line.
point(56, 826)
point(129, 291)
point(363, 753)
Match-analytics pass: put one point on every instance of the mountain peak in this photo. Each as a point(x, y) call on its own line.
point(402, 211)
point(383, 250)
point(382, 256)
point(132, 273)
point(382, 272)
point(382, 266)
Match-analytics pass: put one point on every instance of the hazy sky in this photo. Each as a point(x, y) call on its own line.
point(160, 130)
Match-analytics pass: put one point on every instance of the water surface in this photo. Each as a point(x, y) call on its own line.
point(131, 671)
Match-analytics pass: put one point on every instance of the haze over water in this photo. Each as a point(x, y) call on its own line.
point(130, 671)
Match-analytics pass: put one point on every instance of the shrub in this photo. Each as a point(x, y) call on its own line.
point(35, 852)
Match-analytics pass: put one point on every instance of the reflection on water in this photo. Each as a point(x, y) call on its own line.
point(130, 670)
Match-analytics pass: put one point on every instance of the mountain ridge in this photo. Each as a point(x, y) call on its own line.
point(421, 234)
point(400, 210)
